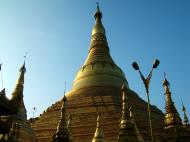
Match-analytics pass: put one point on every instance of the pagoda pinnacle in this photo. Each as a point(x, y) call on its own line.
point(98, 31)
point(125, 107)
point(185, 119)
point(98, 28)
point(62, 133)
point(17, 95)
point(128, 131)
point(172, 117)
point(99, 134)
point(20, 81)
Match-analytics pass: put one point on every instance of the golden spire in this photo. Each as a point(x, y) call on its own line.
point(98, 27)
point(99, 134)
point(128, 131)
point(172, 117)
point(99, 68)
point(125, 108)
point(185, 117)
point(20, 83)
point(62, 133)
point(99, 41)
point(17, 95)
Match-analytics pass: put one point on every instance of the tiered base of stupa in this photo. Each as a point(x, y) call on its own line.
point(83, 105)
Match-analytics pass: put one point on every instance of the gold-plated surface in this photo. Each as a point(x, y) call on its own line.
point(100, 78)
point(84, 114)
point(18, 91)
point(172, 117)
point(63, 133)
point(99, 133)
point(98, 27)
point(128, 131)
point(99, 68)
point(174, 130)
point(17, 95)
point(21, 130)
point(125, 110)
point(185, 117)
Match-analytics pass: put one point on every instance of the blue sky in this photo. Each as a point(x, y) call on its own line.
point(56, 35)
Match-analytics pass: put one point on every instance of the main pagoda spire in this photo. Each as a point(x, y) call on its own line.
point(99, 50)
point(99, 68)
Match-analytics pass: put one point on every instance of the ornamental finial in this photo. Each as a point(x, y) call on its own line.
point(98, 27)
point(98, 13)
point(165, 82)
point(97, 3)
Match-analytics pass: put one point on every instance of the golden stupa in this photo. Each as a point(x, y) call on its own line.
point(97, 85)
point(19, 129)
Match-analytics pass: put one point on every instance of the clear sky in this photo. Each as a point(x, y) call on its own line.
point(56, 34)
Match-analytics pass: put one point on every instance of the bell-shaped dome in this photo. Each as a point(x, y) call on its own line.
point(99, 69)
